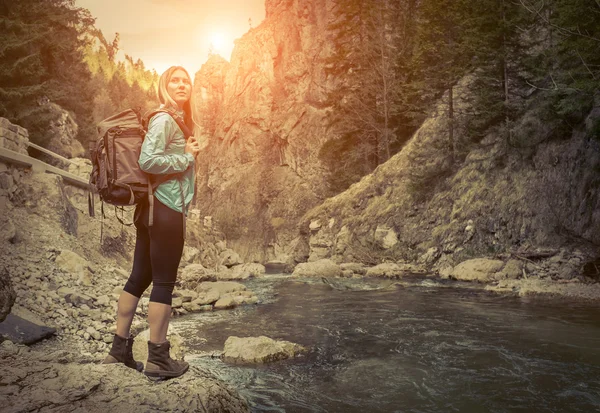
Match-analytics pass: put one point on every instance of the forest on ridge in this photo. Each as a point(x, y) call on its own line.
point(391, 61)
point(51, 52)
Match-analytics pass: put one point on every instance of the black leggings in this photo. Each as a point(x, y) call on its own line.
point(158, 250)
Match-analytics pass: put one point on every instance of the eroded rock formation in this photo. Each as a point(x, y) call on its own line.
point(264, 115)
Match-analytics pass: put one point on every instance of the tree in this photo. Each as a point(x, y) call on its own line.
point(41, 60)
point(494, 37)
point(566, 68)
point(440, 58)
point(366, 42)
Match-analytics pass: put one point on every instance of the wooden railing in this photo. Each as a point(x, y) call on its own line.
point(17, 158)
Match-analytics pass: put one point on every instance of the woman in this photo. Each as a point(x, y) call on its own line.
point(159, 246)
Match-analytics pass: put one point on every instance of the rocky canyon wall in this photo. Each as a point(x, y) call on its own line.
point(501, 199)
point(263, 114)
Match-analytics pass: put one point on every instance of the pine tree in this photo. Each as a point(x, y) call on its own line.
point(41, 60)
point(566, 67)
point(493, 36)
point(440, 58)
point(366, 41)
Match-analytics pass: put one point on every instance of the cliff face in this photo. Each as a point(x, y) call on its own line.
point(264, 115)
point(501, 199)
point(265, 118)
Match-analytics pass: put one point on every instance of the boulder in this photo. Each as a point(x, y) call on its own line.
point(189, 256)
point(51, 380)
point(477, 269)
point(229, 258)
point(389, 270)
point(225, 302)
point(258, 350)
point(71, 263)
point(243, 271)
point(385, 237)
point(354, 267)
point(320, 268)
point(222, 287)
point(193, 274)
point(512, 270)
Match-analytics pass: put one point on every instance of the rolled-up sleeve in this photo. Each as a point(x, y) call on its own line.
point(153, 157)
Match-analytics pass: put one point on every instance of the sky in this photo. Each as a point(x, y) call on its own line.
point(175, 32)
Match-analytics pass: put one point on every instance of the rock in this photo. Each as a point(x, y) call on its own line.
point(190, 255)
point(430, 256)
point(8, 231)
point(193, 274)
point(81, 167)
point(71, 296)
point(342, 240)
point(222, 287)
point(354, 267)
point(98, 388)
point(207, 297)
point(390, 270)
point(93, 333)
point(186, 295)
point(225, 302)
point(243, 271)
point(385, 237)
point(477, 269)
point(177, 302)
point(62, 132)
point(7, 294)
point(71, 263)
point(314, 225)
point(513, 269)
point(229, 258)
point(320, 268)
point(321, 244)
point(258, 350)
point(103, 300)
point(44, 195)
point(21, 331)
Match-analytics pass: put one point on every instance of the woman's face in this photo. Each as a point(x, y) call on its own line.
point(179, 87)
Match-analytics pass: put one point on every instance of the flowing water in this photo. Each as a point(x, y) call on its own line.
point(421, 347)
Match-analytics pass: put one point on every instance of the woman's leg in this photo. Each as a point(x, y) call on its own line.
point(125, 312)
point(159, 316)
point(166, 248)
point(140, 278)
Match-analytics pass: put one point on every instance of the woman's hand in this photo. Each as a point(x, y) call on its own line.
point(192, 147)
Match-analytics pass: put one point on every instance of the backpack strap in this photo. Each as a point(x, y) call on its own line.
point(176, 117)
point(159, 179)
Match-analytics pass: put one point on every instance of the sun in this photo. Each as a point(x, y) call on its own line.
point(217, 42)
point(214, 39)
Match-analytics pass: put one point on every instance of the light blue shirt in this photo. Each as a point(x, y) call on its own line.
point(163, 153)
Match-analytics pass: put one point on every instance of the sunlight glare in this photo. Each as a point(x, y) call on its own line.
point(217, 40)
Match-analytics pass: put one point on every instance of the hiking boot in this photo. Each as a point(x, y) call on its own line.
point(160, 364)
point(121, 352)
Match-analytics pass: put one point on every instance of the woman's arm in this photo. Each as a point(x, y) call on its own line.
point(153, 158)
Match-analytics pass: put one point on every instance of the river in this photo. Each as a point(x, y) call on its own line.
point(423, 346)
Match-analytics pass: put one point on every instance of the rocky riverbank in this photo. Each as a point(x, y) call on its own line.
point(66, 271)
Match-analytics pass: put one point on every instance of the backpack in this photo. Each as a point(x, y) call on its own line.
point(116, 174)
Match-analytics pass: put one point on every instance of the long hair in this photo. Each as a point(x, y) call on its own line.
point(165, 99)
